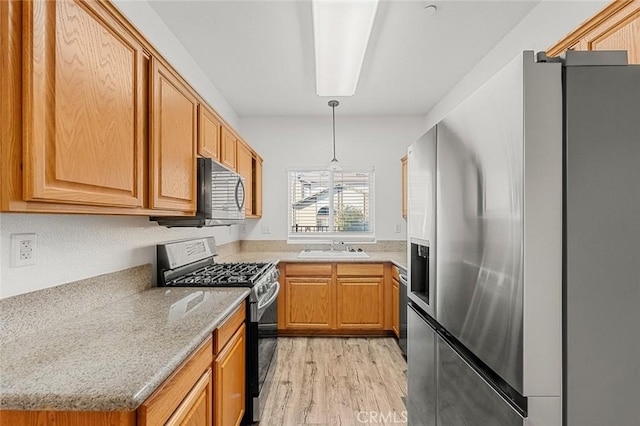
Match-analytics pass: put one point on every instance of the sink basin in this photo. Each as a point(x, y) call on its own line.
point(328, 254)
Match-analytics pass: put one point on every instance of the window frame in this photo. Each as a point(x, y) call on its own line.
point(328, 237)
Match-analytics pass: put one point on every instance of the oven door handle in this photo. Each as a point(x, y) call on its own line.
point(271, 299)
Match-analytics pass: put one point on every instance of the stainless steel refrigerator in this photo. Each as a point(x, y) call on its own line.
point(524, 250)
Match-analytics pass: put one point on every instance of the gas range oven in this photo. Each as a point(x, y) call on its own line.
point(190, 263)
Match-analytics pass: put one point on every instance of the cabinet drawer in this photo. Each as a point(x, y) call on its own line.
point(223, 333)
point(308, 269)
point(360, 269)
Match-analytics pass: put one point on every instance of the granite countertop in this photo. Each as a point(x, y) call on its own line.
point(395, 257)
point(111, 358)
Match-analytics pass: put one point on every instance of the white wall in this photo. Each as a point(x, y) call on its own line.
point(74, 247)
point(307, 141)
point(147, 21)
point(545, 25)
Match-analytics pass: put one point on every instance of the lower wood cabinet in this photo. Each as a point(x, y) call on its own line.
point(229, 371)
point(325, 298)
point(185, 397)
point(360, 303)
point(309, 303)
point(395, 301)
point(195, 409)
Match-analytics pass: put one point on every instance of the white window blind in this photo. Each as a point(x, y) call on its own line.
point(326, 205)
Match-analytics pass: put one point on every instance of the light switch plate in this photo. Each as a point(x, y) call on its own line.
point(23, 250)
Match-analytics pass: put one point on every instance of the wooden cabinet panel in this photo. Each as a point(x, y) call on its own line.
point(83, 137)
point(209, 132)
point(623, 33)
point(228, 148)
point(244, 166)
point(395, 307)
point(257, 186)
point(404, 186)
point(360, 303)
point(308, 269)
point(173, 142)
point(196, 408)
point(223, 334)
point(229, 379)
point(616, 27)
point(309, 303)
point(360, 269)
point(161, 405)
point(46, 418)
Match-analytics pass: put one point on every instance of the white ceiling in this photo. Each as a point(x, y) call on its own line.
point(259, 54)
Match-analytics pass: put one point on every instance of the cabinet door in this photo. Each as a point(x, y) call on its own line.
point(83, 129)
point(228, 148)
point(616, 27)
point(404, 186)
point(309, 303)
point(244, 166)
point(620, 32)
point(257, 186)
point(229, 382)
point(196, 408)
point(395, 307)
point(209, 129)
point(360, 303)
point(173, 142)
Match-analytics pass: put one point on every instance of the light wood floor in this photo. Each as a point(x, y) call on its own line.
point(336, 381)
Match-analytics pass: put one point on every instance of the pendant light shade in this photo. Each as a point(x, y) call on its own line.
point(334, 166)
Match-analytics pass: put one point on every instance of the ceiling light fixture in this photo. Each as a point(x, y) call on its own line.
point(341, 30)
point(334, 166)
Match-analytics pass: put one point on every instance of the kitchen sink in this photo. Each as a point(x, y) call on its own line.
point(335, 254)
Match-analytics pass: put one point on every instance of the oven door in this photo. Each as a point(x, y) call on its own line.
point(267, 335)
point(261, 351)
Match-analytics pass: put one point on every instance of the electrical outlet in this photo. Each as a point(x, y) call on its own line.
point(23, 250)
point(243, 229)
point(398, 228)
point(265, 229)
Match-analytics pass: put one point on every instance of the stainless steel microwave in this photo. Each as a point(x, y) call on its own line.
point(221, 198)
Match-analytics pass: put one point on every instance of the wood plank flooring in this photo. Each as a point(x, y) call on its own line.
point(336, 381)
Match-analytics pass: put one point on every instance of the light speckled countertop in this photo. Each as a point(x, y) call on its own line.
point(111, 358)
point(397, 258)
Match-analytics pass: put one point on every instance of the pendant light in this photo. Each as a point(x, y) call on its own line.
point(334, 166)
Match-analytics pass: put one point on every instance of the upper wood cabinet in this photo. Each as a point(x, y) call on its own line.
point(84, 121)
point(404, 186)
point(257, 186)
point(228, 148)
point(209, 132)
point(616, 27)
point(94, 120)
point(174, 118)
point(244, 166)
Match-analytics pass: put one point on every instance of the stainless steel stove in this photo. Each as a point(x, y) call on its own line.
point(190, 263)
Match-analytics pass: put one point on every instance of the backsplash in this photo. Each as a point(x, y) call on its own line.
point(283, 246)
point(32, 312)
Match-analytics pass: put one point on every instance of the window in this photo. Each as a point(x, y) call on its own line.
point(326, 205)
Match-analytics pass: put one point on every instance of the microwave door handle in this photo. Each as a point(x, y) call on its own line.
point(239, 186)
